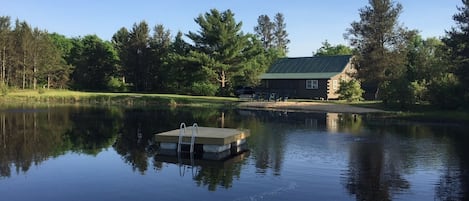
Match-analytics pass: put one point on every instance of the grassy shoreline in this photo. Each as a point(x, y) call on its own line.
point(66, 97)
point(124, 99)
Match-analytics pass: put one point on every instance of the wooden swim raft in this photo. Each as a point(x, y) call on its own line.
point(214, 140)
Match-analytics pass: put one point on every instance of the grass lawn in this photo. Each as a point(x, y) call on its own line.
point(66, 96)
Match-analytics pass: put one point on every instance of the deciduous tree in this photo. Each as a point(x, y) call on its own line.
point(328, 49)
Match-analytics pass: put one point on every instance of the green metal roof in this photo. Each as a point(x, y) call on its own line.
point(307, 67)
point(287, 76)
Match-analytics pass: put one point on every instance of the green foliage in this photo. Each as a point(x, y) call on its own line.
point(273, 34)
point(329, 50)
point(350, 90)
point(445, 91)
point(396, 93)
point(95, 61)
point(379, 42)
point(223, 54)
point(115, 84)
point(418, 91)
point(265, 31)
point(281, 36)
point(204, 89)
point(457, 41)
point(3, 89)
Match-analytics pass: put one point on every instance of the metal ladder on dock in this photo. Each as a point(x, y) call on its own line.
point(182, 133)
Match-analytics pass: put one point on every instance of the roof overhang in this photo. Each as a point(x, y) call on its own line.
point(297, 76)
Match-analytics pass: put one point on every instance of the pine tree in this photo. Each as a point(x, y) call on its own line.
point(5, 47)
point(219, 44)
point(378, 40)
point(280, 33)
point(265, 31)
point(160, 46)
point(458, 42)
point(273, 34)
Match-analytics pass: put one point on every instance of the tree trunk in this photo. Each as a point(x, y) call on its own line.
point(34, 74)
point(377, 93)
point(222, 79)
point(48, 81)
point(4, 57)
point(24, 70)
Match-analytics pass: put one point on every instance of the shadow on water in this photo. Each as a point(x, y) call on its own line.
point(381, 154)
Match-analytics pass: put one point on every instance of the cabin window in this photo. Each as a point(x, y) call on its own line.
point(311, 84)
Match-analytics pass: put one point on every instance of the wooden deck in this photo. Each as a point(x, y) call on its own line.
point(206, 136)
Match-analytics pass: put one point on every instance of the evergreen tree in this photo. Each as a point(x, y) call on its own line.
point(280, 33)
point(181, 73)
point(54, 70)
point(265, 31)
point(5, 47)
point(138, 61)
point(273, 34)
point(379, 41)
point(95, 61)
point(23, 44)
point(457, 41)
point(160, 46)
point(218, 45)
point(121, 42)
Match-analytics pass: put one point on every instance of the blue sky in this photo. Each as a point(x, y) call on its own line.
point(309, 22)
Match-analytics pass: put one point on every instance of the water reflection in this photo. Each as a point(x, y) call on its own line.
point(381, 157)
point(455, 176)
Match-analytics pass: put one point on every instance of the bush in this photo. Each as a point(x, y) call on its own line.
point(445, 91)
point(116, 85)
point(4, 89)
point(350, 91)
point(41, 90)
point(204, 89)
point(418, 90)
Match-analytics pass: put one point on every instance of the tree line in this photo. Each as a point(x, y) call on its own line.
point(396, 65)
point(218, 57)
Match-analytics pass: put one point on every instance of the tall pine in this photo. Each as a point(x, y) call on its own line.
point(378, 40)
point(273, 34)
point(457, 41)
point(218, 45)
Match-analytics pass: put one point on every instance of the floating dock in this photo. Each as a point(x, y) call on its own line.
point(213, 140)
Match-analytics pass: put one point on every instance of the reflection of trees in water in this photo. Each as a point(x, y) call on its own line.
point(93, 130)
point(214, 176)
point(454, 181)
point(267, 140)
point(378, 160)
point(134, 142)
point(381, 155)
point(31, 136)
point(372, 174)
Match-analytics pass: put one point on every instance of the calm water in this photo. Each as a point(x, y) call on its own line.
point(86, 153)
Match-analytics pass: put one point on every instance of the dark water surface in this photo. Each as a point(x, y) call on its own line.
point(88, 153)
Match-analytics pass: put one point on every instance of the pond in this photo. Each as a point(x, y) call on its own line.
point(108, 153)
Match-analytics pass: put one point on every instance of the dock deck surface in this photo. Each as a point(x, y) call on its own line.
point(205, 135)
